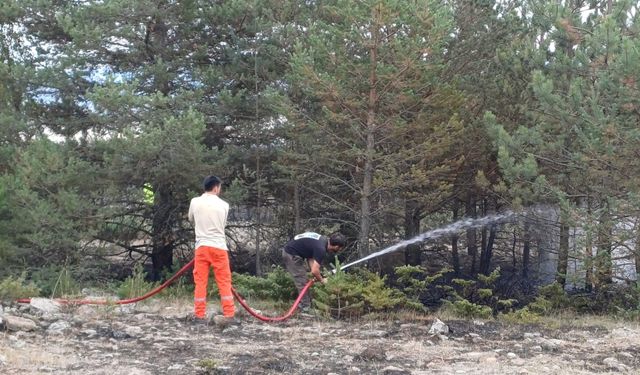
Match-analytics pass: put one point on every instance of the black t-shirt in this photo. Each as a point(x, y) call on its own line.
point(308, 245)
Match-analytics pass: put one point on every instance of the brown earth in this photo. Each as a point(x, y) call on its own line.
point(154, 338)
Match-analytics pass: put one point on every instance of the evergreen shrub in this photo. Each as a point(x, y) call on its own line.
point(351, 295)
point(136, 284)
point(12, 288)
point(56, 281)
point(277, 285)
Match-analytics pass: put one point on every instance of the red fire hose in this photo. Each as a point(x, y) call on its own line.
point(156, 290)
point(122, 301)
point(286, 316)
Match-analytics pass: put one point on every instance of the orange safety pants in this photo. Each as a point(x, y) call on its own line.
point(207, 257)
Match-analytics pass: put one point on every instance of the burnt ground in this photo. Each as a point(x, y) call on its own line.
point(155, 339)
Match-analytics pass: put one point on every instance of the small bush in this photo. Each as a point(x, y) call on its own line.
point(550, 298)
point(522, 316)
point(56, 281)
point(341, 296)
point(377, 296)
point(351, 295)
point(135, 285)
point(416, 286)
point(467, 310)
point(278, 285)
point(12, 288)
point(208, 366)
point(475, 298)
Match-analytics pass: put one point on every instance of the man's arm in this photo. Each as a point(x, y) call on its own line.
point(191, 219)
point(315, 270)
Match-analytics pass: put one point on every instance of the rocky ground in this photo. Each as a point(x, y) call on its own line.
point(154, 338)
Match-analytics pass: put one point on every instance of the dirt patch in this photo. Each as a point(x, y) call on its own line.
point(155, 339)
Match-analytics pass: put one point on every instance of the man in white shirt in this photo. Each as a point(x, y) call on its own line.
point(208, 214)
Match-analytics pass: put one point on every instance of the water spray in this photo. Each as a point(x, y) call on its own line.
point(468, 223)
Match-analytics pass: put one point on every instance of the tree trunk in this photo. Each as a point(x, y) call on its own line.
point(636, 251)
point(297, 221)
point(367, 183)
point(487, 252)
point(472, 246)
point(455, 257)
point(526, 250)
point(162, 233)
point(604, 275)
point(588, 252)
point(412, 253)
point(563, 253)
point(514, 260)
point(258, 177)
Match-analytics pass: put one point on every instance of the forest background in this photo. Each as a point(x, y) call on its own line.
point(381, 119)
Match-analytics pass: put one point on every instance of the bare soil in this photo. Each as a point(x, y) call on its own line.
point(155, 338)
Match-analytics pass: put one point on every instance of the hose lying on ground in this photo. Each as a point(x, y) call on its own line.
point(173, 278)
point(268, 319)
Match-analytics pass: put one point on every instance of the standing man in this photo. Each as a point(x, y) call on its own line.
point(208, 214)
point(308, 250)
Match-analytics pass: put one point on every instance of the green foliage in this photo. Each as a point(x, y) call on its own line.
point(476, 298)
point(182, 287)
point(413, 282)
point(466, 309)
point(550, 298)
point(12, 288)
point(377, 296)
point(56, 281)
point(350, 295)
point(341, 296)
point(522, 316)
point(277, 285)
point(136, 284)
point(208, 366)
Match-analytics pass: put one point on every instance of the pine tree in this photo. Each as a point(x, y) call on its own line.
point(368, 72)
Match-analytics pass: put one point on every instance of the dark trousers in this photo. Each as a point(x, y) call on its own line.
point(297, 267)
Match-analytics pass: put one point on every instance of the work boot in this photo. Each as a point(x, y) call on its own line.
point(191, 318)
point(306, 312)
point(223, 322)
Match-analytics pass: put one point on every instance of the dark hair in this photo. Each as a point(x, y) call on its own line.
point(210, 182)
point(337, 239)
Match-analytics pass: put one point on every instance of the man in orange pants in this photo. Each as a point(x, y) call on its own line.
point(208, 214)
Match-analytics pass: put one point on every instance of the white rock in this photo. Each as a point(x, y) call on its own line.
point(16, 323)
point(488, 360)
point(59, 328)
point(613, 363)
point(133, 331)
point(518, 362)
point(511, 355)
point(45, 305)
point(438, 327)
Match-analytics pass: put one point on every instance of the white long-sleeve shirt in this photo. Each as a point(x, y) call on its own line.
point(208, 214)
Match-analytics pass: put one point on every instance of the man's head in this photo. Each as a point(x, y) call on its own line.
point(336, 242)
point(212, 184)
